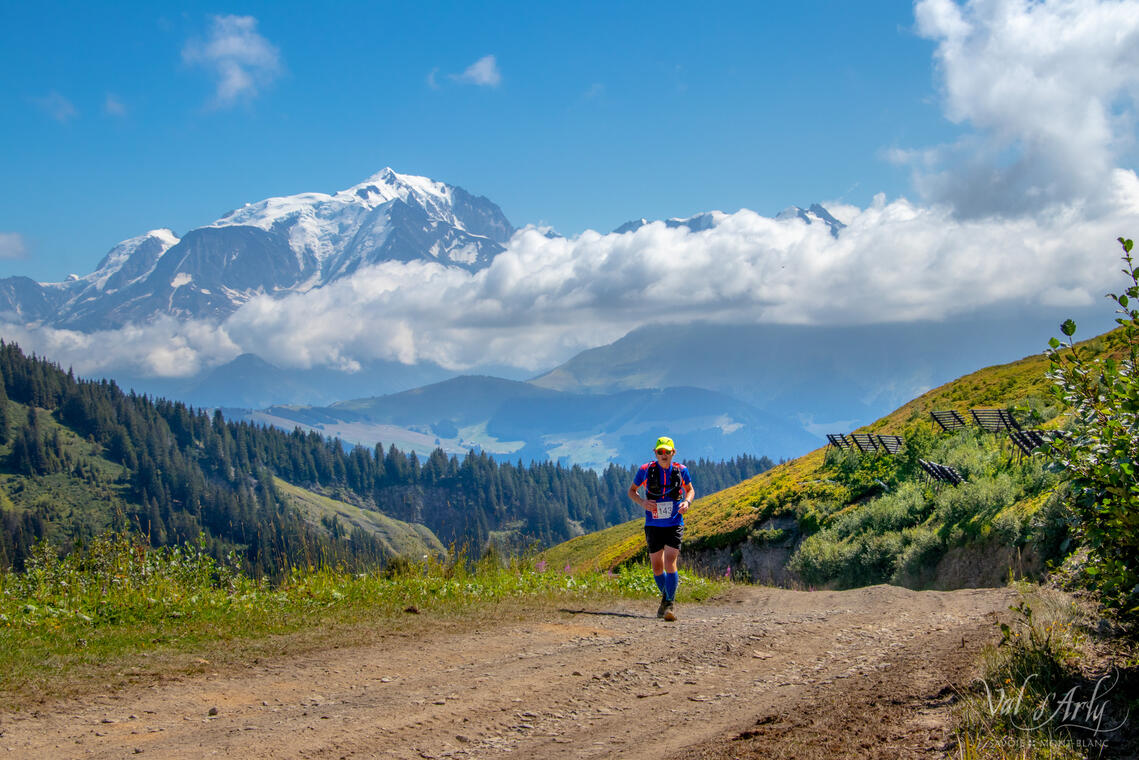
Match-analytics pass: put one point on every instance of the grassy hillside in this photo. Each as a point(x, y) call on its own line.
point(845, 519)
point(399, 539)
point(88, 497)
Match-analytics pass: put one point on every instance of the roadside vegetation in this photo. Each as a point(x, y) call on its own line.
point(117, 609)
point(1060, 683)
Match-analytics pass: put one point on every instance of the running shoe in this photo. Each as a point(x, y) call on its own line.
point(669, 611)
point(663, 606)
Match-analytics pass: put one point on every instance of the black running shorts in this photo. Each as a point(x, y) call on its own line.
point(660, 536)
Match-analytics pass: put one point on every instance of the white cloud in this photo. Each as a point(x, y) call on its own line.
point(483, 72)
point(1046, 86)
point(113, 106)
point(12, 245)
point(165, 348)
point(242, 61)
point(57, 107)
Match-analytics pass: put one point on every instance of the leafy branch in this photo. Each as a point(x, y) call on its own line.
point(1101, 446)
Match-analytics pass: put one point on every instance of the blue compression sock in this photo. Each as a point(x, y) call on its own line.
point(671, 581)
point(660, 582)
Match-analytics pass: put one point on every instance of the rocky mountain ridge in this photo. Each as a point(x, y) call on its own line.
point(272, 247)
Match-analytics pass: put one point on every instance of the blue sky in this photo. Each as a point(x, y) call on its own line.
point(602, 112)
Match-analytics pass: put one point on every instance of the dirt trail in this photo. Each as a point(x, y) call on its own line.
point(762, 672)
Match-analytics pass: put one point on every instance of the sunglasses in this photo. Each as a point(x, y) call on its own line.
point(664, 451)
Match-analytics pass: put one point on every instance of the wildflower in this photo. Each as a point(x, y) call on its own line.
point(540, 566)
point(728, 573)
point(566, 569)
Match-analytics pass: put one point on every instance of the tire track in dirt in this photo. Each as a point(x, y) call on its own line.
point(582, 683)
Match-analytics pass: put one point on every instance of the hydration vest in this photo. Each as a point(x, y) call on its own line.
point(672, 492)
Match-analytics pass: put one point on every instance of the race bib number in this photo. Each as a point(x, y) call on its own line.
point(664, 509)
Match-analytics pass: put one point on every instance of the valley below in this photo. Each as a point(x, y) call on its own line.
point(755, 672)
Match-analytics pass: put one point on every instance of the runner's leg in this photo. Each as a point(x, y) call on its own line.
point(658, 562)
point(671, 577)
point(656, 559)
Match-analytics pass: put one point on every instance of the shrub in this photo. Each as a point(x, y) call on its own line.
point(1034, 411)
point(1101, 447)
point(923, 548)
point(822, 557)
point(902, 508)
point(977, 499)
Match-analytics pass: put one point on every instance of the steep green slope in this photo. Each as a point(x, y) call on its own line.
point(829, 518)
point(336, 517)
point(82, 501)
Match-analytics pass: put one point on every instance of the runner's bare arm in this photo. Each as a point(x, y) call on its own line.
point(636, 497)
point(689, 497)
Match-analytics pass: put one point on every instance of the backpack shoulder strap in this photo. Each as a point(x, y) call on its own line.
point(652, 477)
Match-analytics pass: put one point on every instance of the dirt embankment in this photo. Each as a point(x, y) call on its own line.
point(760, 673)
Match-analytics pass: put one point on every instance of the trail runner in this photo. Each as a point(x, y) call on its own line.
point(668, 495)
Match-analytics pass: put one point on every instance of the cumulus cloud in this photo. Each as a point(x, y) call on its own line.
point(242, 61)
point(1047, 89)
point(483, 72)
point(57, 107)
point(165, 348)
point(12, 245)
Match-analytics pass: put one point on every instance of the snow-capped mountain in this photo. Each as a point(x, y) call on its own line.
point(275, 246)
point(816, 213)
point(708, 220)
point(698, 223)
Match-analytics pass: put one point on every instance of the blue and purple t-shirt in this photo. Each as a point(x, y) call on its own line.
point(674, 518)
